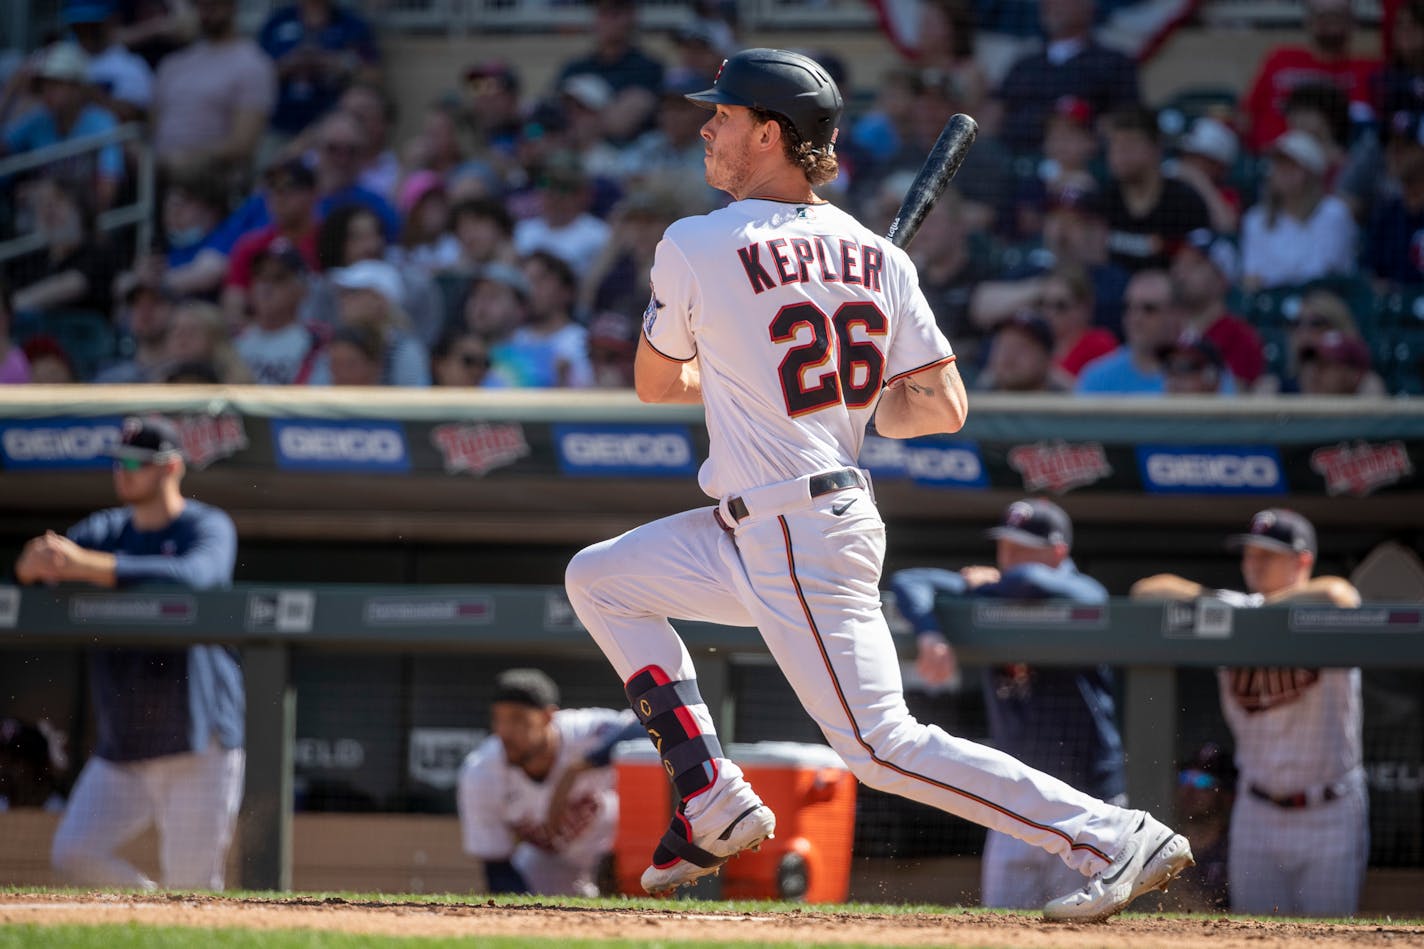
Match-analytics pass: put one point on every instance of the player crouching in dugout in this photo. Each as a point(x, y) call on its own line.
point(538, 800)
point(1299, 838)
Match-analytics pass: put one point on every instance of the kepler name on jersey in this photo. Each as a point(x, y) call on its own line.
point(799, 259)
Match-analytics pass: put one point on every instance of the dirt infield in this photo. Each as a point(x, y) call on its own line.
point(806, 927)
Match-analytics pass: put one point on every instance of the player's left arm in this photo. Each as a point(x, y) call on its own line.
point(662, 379)
point(927, 401)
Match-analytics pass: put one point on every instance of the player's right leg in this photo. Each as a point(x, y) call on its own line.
point(623, 590)
point(199, 797)
point(108, 807)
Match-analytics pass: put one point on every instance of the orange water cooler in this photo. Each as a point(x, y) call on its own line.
point(807, 786)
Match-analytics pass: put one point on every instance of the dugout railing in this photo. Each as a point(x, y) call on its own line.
point(1147, 641)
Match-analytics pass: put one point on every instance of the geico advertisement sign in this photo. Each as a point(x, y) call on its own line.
point(947, 464)
point(1238, 469)
point(340, 446)
point(613, 450)
point(59, 443)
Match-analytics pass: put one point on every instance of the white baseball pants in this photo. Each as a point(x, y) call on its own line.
point(1307, 861)
point(808, 578)
point(192, 798)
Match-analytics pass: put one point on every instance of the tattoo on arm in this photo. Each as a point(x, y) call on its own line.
point(914, 386)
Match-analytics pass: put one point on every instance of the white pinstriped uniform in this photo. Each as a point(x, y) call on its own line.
point(797, 314)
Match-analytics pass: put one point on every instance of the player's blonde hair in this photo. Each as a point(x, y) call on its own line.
point(818, 164)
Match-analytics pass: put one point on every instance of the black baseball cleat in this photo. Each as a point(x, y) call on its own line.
point(1152, 857)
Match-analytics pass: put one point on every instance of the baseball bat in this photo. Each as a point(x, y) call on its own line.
point(943, 161)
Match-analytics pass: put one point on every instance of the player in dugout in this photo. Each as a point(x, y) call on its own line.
point(1300, 826)
point(537, 800)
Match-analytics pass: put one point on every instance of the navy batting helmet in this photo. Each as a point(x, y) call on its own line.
point(793, 86)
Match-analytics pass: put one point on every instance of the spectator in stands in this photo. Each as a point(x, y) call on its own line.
point(1206, 793)
point(29, 766)
point(120, 81)
point(75, 268)
point(1297, 232)
point(1020, 357)
point(1396, 234)
point(63, 113)
point(1070, 146)
point(1193, 366)
point(494, 114)
point(950, 263)
point(879, 132)
point(460, 358)
point(375, 112)
point(1150, 321)
point(289, 192)
point(1335, 365)
point(199, 336)
point(14, 367)
point(338, 173)
point(985, 180)
point(50, 364)
point(351, 234)
point(615, 281)
point(197, 238)
point(666, 157)
point(355, 356)
point(496, 304)
point(1074, 234)
point(563, 227)
point(1071, 64)
point(1299, 829)
point(426, 242)
point(1205, 156)
point(368, 296)
point(1203, 271)
point(1321, 110)
point(635, 77)
point(1066, 301)
point(1148, 213)
point(946, 49)
point(1319, 313)
point(538, 800)
point(612, 346)
point(550, 349)
point(1059, 720)
point(485, 232)
point(437, 146)
point(146, 315)
point(211, 101)
point(276, 347)
point(319, 48)
point(168, 718)
point(154, 28)
point(1401, 82)
point(701, 44)
point(1328, 24)
point(584, 98)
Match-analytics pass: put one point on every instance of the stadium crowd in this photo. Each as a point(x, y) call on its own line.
point(1266, 242)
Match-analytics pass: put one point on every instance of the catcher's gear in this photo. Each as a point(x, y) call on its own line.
point(788, 84)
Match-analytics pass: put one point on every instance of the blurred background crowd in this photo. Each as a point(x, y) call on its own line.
point(1232, 242)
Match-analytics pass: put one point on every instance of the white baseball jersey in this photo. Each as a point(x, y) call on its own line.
point(503, 810)
point(805, 297)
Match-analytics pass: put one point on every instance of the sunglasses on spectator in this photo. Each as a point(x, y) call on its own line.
point(1186, 366)
point(474, 361)
point(1314, 321)
point(1059, 304)
point(130, 465)
point(1144, 306)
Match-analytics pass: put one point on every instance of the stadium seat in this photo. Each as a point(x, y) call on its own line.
point(1400, 361)
point(453, 288)
point(1276, 307)
point(1179, 111)
point(87, 337)
point(1275, 346)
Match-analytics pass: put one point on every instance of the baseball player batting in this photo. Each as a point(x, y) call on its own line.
point(791, 323)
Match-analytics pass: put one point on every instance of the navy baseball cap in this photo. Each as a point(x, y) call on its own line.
point(1277, 529)
point(526, 687)
point(76, 12)
point(1034, 522)
point(1031, 325)
point(149, 438)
